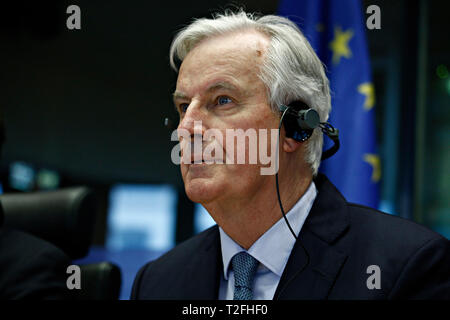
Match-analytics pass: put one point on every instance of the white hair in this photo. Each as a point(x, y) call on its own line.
point(291, 70)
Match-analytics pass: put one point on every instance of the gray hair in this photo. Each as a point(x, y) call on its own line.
point(291, 70)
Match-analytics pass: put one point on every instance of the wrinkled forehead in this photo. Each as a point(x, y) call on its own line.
point(238, 54)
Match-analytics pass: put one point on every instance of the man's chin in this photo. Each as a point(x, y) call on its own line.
point(201, 190)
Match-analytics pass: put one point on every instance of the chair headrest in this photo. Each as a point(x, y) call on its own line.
point(107, 278)
point(63, 217)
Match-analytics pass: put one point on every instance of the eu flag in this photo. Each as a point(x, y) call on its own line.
point(336, 31)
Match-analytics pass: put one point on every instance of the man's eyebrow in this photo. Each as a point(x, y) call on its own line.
point(178, 95)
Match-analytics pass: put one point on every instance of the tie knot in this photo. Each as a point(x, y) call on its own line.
point(244, 267)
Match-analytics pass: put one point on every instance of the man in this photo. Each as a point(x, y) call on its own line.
point(236, 71)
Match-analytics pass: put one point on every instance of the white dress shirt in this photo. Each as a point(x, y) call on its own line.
point(272, 250)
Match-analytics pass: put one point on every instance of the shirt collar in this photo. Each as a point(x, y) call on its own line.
point(274, 247)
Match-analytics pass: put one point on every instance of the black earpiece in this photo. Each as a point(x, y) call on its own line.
point(299, 122)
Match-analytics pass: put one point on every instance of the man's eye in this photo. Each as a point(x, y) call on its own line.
point(183, 107)
point(223, 100)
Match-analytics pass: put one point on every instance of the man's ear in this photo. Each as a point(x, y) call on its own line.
point(290, 145)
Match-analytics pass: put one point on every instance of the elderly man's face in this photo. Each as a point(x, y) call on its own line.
point(218, 84)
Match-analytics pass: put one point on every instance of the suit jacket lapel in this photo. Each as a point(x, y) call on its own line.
point(202, 277)
point(312, 275)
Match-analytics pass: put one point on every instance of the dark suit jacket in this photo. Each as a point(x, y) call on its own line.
point(31, 268)
point(341, 239)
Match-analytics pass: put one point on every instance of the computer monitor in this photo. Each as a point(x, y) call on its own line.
point(21, 176)
point(141, 217)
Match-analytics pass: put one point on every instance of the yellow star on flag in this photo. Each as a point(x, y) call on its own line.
point(374, 161)
point(368, 90)
point(339, 45)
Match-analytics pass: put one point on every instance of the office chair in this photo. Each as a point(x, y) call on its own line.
point(65, 218)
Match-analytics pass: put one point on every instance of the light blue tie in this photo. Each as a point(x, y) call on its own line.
point(244, 268)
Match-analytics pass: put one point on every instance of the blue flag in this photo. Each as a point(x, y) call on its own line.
point(336, 31)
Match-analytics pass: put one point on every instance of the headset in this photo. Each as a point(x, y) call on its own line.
point(299, 123)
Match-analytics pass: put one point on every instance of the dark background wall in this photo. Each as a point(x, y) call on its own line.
point(91, 102)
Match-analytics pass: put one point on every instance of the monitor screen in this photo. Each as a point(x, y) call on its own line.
point(21, 176)
point(141, 217)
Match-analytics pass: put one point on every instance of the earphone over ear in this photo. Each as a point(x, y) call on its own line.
point(300, 121)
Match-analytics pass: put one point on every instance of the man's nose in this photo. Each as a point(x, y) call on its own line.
point(193, 120)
